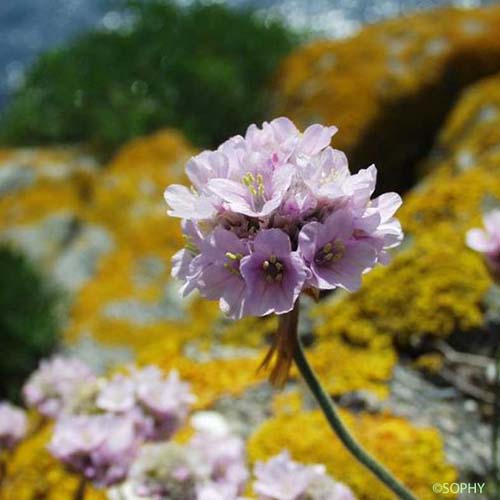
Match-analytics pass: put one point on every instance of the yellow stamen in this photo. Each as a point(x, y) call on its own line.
point(234, 256)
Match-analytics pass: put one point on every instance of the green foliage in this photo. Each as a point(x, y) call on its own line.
point(28, 321)
point(204, 69)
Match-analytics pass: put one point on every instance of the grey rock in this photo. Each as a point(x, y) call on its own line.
point(141, 313)
point(244, 414)
point(14, 177)
point(77, 262)
point(43, 240)
point(466, 437)
point(67, 249)
point(98, 356)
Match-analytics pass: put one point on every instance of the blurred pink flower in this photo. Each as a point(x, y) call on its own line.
point(117, 395)
point(166, 470)
point(487, 241)
point(164, 402)
point(280, 478)
point(13, 425)
point(56, 379)
point(100, 447)
point(221, 451)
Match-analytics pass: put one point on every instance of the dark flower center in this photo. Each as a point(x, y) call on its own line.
point(330, 253)
point(273, 269)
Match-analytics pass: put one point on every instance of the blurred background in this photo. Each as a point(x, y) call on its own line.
point(102, 103)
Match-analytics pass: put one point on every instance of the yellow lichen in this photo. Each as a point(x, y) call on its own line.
point(344, 368)
point(33, 473)
point(211, 379)
point(435, 285)
point(432, 362)
point(62, 181)
point(433, 288)
point(415, 455)
point(287, 403)
point(130, 191)
point(128, 202)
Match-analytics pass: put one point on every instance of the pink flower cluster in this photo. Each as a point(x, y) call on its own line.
point(277, 212)
point(175, 472)
point(13, 425)
point(100, 436)
point(283, 479)
point(211, 466)
point(100, 447)
point(49, 388)
point(101, 423)
point(487, 241)
point(158, 405)
point(116, 433)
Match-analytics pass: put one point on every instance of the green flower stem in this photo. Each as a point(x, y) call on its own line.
point(80, 490)
point(3, 467)
point(329, 409)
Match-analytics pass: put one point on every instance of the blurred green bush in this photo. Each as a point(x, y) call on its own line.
point(204, 69)
point(29, 321)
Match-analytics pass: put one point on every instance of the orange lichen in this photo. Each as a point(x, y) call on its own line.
point(62, 180)
point(429, 289)
point(415, 455)
point(390, 86)
point(33, 473)
point(344, 368)
point(130, 191)
point(210, 379)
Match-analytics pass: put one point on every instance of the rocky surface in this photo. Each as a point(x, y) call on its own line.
point(390, 87)
point(103, 235)
point(446, 409)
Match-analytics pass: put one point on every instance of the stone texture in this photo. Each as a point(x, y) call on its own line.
point(389, 87)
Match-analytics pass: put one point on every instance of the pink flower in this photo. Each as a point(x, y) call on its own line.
point(278, 181)
point(117, 395)
point(13, 425)
point(57, 379)
point(335, 257)
point(164, 471)
point(283, 479)
point(259, 189)
point(164, 403)
point(217, 491)
point(219, 275)
point(220, 450)
point(100, 447)
point(274, 275)
point(487, 241)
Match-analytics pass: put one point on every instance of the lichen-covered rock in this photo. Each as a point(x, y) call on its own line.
point(44, 195)
point(389, 87)
point(33, 473)
point(435, 285)
point(131, 299)
point(445, 409)
point(415, 455)
point(36, 183)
